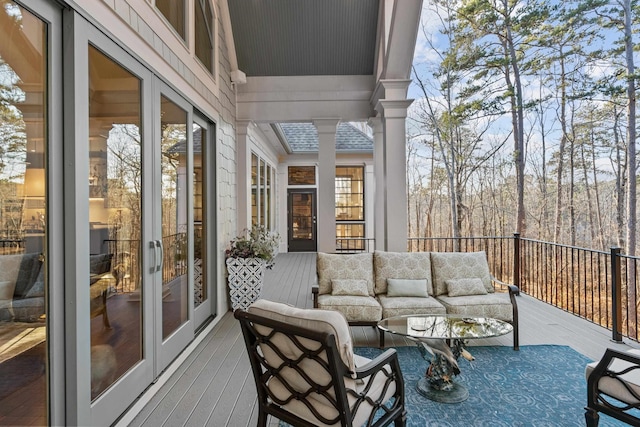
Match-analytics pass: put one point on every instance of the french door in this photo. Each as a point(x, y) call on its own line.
point(145, 212)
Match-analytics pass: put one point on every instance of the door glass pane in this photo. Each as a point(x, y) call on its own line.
point(302, 216)
point(204, 33)
point(115, 191)
point(254, 189)
point(199, 216)
point(174, 216)
point(23, 217)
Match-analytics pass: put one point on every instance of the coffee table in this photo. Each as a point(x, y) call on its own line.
point(441, 340)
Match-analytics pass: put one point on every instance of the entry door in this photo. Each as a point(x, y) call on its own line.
point(301, 208)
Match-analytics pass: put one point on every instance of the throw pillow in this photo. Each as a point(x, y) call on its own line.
point(407, 288)
point(36, 290)
point(464, 287)
point(6, 290)
point(349, 287)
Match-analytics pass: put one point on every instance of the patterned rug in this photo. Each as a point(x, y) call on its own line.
point(541, 386)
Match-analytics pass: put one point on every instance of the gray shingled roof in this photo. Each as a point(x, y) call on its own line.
point(181, 147)
point(303, 137)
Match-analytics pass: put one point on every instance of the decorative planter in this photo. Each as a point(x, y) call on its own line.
point(246, 276)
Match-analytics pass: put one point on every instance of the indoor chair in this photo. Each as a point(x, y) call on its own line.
point(307, 375)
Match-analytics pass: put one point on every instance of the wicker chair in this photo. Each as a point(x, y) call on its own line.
point(307, 375)
point(613, 387)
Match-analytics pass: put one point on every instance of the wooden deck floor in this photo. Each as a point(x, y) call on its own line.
point(214, 385)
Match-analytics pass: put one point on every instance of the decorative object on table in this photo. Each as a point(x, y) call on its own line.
point(247, 257)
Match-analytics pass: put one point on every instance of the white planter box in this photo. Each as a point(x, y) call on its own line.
point(246, 276)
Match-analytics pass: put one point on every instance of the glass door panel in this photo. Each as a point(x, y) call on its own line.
point(200, 292)
point(115, 220)
point(23, 216)
point(174, 193)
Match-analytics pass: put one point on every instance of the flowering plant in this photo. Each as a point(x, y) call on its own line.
point(258, 242)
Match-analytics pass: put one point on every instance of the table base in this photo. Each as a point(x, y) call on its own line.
point(457, 394)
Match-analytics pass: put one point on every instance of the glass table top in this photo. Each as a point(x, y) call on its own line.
point(446, 326)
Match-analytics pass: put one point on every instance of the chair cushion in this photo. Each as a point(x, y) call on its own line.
point(354, 308)
point(400, 306)
point(326, 409)
point(615, 388)
point(459, 265)
point(407, 288)
point(351, 266)
point(495, 305)
point(401, 265)
point(357, 287)
point(463, 287)
point(329, 321)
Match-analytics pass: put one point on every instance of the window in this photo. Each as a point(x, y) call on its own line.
point(262, 179)
point(175, 12)
point(204, 33)
point(302, 175)
point(350, 208)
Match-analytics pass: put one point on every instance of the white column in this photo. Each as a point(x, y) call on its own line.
point(326, 220)
point(243, 178)
point(394, 113)
point(379, 183)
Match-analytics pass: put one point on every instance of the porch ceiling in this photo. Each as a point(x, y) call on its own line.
point(304, 37)
point(302, 60)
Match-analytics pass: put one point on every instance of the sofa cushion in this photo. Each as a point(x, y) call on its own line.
point(357, 287)
point(6, 290)
point(615, 388)
point(401, 265)
point(407, 288)
point(354, 308)
point(400, 306)
point(19, 269)
point(100, 263)
point(351, 266)
point(495, 305)
point(459, 265)
point(464, 287)
point(37, 290)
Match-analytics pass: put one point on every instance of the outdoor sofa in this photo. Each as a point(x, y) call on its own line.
point(368, 287)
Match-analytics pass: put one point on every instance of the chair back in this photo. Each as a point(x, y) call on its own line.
point(298, 370)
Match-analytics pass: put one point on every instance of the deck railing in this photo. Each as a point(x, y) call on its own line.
point(599, 286)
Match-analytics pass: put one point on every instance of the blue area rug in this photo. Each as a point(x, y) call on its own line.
point(542, 386)
point(537, 386)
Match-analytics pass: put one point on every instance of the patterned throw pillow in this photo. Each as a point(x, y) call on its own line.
point(357, 287)
point(407, 288)
point(464, 287)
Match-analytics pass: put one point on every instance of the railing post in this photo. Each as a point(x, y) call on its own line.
point(616, 294)
point(516, 259)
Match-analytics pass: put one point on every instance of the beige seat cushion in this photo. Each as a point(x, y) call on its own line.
point(399, 306)
point(615, 388)
point(351, 266)
point(354, 308)
point(317, 320)
point(459, 265)
point(494, 305)
point(326, 409)
point(401, 265)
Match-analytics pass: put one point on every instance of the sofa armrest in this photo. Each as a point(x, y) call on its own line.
point(314, 292)
point(513, 289)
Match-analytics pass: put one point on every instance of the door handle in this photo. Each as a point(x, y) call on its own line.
point(152, 245)
point(159, 246)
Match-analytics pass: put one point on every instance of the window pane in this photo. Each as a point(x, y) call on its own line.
point(23, 217)
point(268, 197)
point(349, 193)
point(350, 237)
point(173, 145)
point(254, 189)
point(204, 33)
point(174, 11)
point(262, 193)
point(115, 167)
point(199, 216)
point(302, 175)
